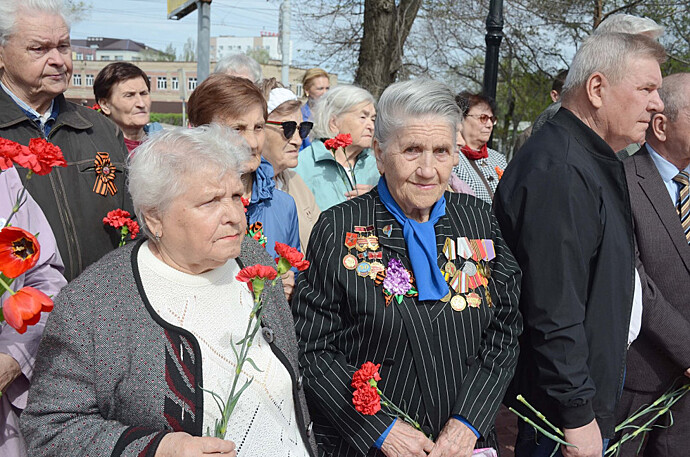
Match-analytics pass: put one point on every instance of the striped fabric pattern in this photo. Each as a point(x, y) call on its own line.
point(683, 178)
point(466, 172)
point(436, 362)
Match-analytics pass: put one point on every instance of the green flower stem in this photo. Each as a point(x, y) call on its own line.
point(6, 285)
point(21, 199)
point(522, 400)
point(541, 429)
point(252, 328)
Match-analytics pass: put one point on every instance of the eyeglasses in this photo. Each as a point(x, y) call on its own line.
point(289, 128)
point(484, 118)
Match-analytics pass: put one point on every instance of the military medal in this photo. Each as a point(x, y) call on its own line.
point(473, 300)
point(469, 268)
point(373, 242)
point(350, 261)
point(376, 266)
point(387, 229)
point(458, 303)
point(450, 268)
point(446, 298)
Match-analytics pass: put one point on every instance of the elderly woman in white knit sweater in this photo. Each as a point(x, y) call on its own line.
point(133, 340)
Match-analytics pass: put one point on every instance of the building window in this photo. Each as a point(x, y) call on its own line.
point(174, 83)
point(89, 80)
point(162, 83)
point(89, 56)
point(105, 57)
point(298, 90)
point(76, 80)
point(136, 59)
point(119, 58)
point(80, 56)
point(191, 83)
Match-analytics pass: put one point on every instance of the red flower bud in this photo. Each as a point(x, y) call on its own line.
point(24, 308)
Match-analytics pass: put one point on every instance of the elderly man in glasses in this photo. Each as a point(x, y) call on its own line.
point(479, 166)
point(285, 131)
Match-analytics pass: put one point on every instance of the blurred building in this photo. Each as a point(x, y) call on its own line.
point(100, 48)
point(268, 41)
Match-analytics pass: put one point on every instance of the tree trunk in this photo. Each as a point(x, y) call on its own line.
point(386, 27)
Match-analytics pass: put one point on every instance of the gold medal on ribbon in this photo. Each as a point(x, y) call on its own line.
point(458, 303)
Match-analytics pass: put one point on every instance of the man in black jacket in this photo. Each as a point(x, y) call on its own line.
point(564, 211)
point(35, 69)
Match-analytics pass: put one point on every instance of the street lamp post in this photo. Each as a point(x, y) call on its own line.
point(494, 36)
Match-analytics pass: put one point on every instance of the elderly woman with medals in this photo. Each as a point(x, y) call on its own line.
point(418, 282)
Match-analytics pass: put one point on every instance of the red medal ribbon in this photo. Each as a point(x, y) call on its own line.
point(105, 175)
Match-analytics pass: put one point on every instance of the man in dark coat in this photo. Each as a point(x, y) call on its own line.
point(657, 176)
point(564, 211)
point(35, 69)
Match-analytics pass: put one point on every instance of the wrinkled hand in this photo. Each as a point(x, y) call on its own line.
point(587, 439)
point(360, 189)
point(455, 440)
point(181, 444)
point(288, 279)
point(405, 441)
point(9, 371)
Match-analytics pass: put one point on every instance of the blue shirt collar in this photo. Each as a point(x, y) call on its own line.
point(666, 169)
point(45, 120)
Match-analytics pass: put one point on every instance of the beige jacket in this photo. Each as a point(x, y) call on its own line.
point(307, 210)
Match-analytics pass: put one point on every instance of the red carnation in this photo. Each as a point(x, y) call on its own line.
point(367, 400)
point(362, 376)
point(19, 251)
point(24, 308)
point(117, 218)
point(133, 227)
point(246, 274)
point(47, 156)
point(292, 256)
point(245, 203)
point(341, 140)
point(8, 151)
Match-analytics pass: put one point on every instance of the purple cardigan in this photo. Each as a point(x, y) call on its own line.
point(47, 277)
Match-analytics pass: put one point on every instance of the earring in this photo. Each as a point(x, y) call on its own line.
point(158, 238)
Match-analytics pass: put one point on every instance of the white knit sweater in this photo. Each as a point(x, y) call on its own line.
point(215, 308)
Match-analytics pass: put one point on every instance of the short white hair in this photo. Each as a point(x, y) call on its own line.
point(675, 93)
point(414, 99)
point(158, 167)
point(610, 54)
point(335, 103)
point(627, 23)
point(235, 64)
point(10, 8)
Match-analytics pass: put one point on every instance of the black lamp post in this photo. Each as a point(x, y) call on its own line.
point(494, 35)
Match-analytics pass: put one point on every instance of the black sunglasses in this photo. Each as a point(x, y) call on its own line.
point(289, 128)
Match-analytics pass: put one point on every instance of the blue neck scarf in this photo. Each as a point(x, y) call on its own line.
point(420, 238)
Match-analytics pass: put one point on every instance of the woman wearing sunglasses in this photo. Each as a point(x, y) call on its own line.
point(479, 166)
point(285, 131)
point(350, 171)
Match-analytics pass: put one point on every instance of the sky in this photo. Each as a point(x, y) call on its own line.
point(146, 21)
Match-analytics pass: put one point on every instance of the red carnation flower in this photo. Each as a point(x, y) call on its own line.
point(245, 203)
point(247, 274)
point(47, 156)
point(341, 140)
point(19, 251)
point(117, 218)
point(8, 151)
point(133, 227)
point(367, 400)
point(292, 256)
point(24, 308)
point(363, 375)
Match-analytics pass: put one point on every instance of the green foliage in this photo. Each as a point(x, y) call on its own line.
point(259, 54)
point(167, 118)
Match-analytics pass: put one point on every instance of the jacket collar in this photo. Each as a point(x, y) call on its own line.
point(654, 189)
point(587, 137)
point(68, 113)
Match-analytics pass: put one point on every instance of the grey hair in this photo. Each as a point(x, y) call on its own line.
point(674, 94)
point(158, 167)
point(627, 23)
point(609, 54)
point(411, 99)
point(235, 64)
point(335, 103)
point(10, 8)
